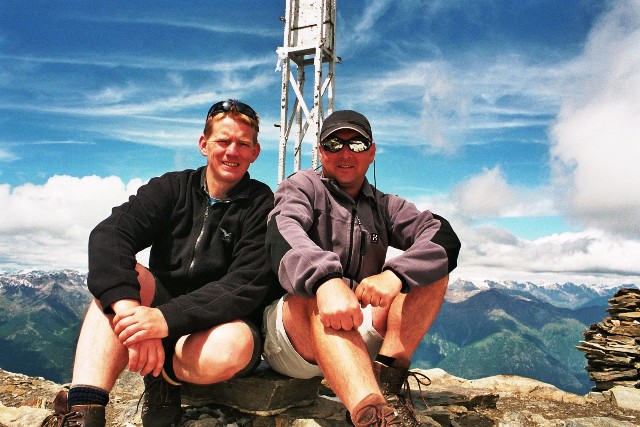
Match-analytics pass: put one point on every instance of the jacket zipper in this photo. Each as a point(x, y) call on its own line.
point(197, 243)
point(353, 221)
point(362, 250)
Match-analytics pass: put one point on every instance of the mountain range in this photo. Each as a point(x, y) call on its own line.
point(40, 318)
point(483, 329)
point(515, 328)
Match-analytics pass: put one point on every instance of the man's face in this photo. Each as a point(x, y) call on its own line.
point(230, 150)
point(345, 166)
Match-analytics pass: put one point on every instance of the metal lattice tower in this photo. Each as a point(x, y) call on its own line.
point(309, 40)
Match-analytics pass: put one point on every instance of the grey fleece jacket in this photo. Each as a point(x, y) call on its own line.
point(317, 232)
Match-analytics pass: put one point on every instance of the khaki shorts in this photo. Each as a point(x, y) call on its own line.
point(283, 358)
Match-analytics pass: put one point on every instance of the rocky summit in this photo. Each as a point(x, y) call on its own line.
point(612, 347)
point(268, 399)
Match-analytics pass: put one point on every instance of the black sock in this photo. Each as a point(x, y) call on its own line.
point(385, 360)
point(83, 394)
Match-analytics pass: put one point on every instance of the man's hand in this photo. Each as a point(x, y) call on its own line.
point(136, 324)
point(146, 357)
point(338, 307)
point(140, 329)
point(379, 290)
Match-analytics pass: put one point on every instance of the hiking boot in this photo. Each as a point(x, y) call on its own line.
point(162, 403)
point(372, 414)
point(76, 416)
point(394, 385)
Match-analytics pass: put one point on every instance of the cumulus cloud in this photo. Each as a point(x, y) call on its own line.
point(488, 194)
point(597, 137)
point(47, 226)
point(589, 256)
point(493, 253)
point(485, 195)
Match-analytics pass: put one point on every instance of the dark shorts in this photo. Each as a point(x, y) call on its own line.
point(163, 296)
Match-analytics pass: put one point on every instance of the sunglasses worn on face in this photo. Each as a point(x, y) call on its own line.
point(357, 145)
point(232, 105)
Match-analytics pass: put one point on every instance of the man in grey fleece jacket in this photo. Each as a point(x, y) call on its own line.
point(347, 305)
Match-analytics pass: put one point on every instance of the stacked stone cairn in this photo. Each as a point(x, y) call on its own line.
point(612, 347)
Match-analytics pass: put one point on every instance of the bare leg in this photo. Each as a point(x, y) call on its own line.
point(214, 355)
point(409, 319)
point(100, 358)
point(341, 355)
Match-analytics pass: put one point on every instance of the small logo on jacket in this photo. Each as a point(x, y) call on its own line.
point(226, 237)
point(374, 237)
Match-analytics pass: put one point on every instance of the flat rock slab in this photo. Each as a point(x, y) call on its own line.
point(626, 397)
point(469, 398)
point(264, 392)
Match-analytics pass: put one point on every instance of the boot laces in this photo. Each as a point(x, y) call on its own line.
point(403, 401)
point(157, 392)
point(383, 416)
point(60, 419)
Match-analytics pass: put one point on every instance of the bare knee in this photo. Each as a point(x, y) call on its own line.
point(215, 355)
point(297, 315)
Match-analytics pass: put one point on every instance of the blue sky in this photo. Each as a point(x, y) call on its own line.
point(518, 121)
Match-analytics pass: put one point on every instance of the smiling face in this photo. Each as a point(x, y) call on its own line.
point(345, 166)
point(230, 149)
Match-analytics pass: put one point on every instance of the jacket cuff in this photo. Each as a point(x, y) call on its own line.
point(113, 295)
point(325, 279)
point(176, 322)
point(405, 285)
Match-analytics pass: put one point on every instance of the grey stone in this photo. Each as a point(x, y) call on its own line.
point(265, 392)
point(596, 422)
point(626, 397)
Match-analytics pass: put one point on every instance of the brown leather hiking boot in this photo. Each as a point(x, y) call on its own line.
point(76, 416)
point(162, 403)
point(373, 412)
point(394, 385)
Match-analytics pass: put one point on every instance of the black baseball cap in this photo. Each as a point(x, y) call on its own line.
point(346, 119)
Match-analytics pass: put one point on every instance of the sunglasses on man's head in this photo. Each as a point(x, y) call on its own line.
point(232, 105)
point(357, 144)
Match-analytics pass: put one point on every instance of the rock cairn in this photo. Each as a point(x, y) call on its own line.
point(612, 347)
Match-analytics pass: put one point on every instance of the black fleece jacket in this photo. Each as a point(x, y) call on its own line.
point(210, 258)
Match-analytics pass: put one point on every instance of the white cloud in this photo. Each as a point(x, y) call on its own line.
point(493, 253)
point(590, 256)
point(7, 156)
point(47, 226)
point(454, 100)
point(597, 136)
point(250, 30)
point(485, 195)
point(144, 63)
point(490, 195)
point(372, 12)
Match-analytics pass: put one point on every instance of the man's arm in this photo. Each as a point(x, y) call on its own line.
point(302, 266)
point(114, 242)
point(430, 245)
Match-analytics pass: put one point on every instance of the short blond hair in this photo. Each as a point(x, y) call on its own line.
point(235, 115)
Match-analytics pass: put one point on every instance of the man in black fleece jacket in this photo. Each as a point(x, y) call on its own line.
point(194, 313)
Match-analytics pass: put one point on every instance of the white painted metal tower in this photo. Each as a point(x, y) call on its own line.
point(309, 41)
